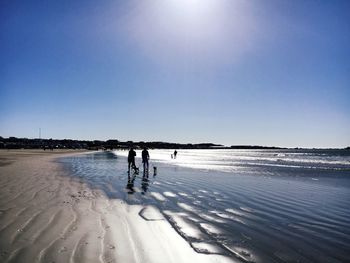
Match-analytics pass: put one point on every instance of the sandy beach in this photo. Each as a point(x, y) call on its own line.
point(209, 131)
point(48, 216)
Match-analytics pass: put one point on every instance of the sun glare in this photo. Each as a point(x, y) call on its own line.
point(195, 9)
point(202, 29)
point(190, 4)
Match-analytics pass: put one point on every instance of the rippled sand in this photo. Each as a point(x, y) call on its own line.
point(48, 216)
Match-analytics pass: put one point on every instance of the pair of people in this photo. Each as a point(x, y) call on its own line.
point(131, 160)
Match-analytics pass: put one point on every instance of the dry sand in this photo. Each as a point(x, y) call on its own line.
point(48, 216)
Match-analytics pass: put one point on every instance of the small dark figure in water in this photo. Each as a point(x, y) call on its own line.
point(175, 153)
point(154, 171)
point(131, 160)
point(145, 158)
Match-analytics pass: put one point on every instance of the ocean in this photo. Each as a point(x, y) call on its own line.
point(251, 205)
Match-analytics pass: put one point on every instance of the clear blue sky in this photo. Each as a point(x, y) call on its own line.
point(222, 71)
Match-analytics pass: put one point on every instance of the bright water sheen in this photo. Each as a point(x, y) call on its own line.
point(253, 205)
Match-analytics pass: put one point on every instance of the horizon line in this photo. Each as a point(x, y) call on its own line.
point(187, 143)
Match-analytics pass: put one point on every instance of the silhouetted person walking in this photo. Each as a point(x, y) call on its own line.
point(145, 158)
point(175, 153)
point(131, 160)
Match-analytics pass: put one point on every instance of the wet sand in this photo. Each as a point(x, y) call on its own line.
point(46, 215)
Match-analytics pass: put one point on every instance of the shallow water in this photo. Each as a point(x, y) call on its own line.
point(252, 161)
point(238, 203)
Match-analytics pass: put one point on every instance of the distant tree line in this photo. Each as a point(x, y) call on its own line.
point(51, 144)
point(254, 147)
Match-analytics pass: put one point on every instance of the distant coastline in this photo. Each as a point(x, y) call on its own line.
point(51, 144)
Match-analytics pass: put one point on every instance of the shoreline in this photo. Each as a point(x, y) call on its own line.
point(251, 216)
point(48, 215)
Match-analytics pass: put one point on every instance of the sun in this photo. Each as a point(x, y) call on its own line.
point(195, 9)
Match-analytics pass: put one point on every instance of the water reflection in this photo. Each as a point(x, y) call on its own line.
point(145, 183)
point(130, 185)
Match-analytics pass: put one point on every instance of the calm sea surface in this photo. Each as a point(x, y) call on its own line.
point(252, 205)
